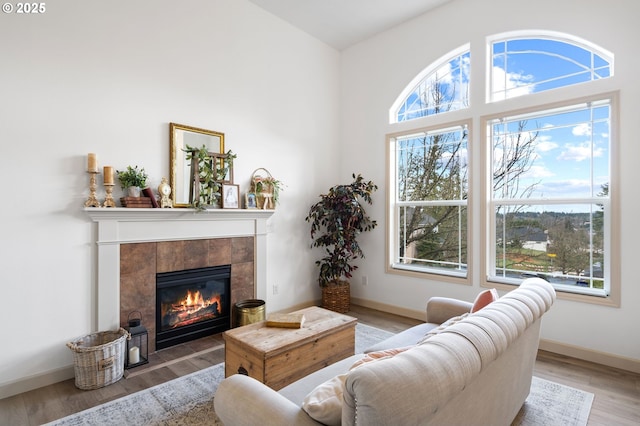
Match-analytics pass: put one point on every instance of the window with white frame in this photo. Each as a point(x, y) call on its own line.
point(431, 200)
point(546, 197)
point(549, 196)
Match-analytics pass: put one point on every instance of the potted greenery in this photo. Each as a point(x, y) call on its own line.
point(212, 169)
point(133, 180)
point(336, 221)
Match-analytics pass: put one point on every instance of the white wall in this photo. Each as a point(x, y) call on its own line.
point(108, 77)
point(377, 70)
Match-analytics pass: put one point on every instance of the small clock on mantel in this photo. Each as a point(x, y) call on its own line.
point(165, 190)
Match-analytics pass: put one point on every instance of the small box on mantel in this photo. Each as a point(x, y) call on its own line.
point(285, 320)
point(140, 202)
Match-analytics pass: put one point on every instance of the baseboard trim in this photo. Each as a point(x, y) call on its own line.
point(391, 309)
point(36, 381)
point(603, 358)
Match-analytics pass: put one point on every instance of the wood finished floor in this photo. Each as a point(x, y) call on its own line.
point(616, 402)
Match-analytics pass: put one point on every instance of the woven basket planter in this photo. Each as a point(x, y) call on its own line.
point(336, 296)
point(262, 181)
point(98, 358)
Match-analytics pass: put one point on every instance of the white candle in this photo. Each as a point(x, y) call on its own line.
point(92, 163)
point(134, 355)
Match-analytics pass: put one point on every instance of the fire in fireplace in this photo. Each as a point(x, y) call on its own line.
point(191, 304)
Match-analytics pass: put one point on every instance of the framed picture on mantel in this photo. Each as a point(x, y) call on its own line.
point(230, 196)
point(250, 201)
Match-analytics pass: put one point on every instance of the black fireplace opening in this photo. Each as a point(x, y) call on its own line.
point(191, 304)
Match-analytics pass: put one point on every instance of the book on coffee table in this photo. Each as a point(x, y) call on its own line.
point(285, 320)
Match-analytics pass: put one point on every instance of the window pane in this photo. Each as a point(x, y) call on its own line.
point(562, 155)
point(444, 89)
point(531, 65)
point(433, 237)
point(432, 166)
point(562, 244)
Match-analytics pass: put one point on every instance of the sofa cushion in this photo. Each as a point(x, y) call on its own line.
point(407, 337)
point(298, 390)
point(375, 356)
point(324, 403)
point(484, 298)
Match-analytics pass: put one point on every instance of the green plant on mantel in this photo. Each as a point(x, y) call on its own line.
point(268, 184)
point(336, 222)
point(212, 169)
point(133, 177)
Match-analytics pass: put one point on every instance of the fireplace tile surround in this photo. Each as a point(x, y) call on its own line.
point(140, 262)
point(134, 244)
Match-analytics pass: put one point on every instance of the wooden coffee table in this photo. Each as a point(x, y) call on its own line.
point(280, 356)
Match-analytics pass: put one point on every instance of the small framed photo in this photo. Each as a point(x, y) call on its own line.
point(230, 196)
point(250, 200)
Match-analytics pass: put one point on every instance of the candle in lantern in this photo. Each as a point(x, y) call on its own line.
point(108, 175)
point(92, 165)
point(134, 355)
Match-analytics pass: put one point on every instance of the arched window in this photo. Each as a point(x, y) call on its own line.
point(441, 87)
point(523, 64)
point(549, 167)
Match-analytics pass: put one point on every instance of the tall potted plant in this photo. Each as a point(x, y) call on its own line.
point(336, 222)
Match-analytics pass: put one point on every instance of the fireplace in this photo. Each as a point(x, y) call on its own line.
point(133, 245)
point(191, 304)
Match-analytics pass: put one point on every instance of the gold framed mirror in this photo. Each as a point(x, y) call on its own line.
point(179, 167)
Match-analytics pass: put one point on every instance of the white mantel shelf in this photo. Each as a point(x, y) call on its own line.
point(119, 225)
point(144, 214)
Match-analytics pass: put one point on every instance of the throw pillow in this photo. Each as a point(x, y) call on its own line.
point(375, 356)
point(484, 298)
point(442, 327)
point(324, 403)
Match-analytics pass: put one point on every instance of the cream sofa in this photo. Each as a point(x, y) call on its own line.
point(475, 371)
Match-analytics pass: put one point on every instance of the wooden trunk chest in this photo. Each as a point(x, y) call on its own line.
point(280, 356)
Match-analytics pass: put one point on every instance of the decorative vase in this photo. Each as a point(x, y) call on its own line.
point(133, 191)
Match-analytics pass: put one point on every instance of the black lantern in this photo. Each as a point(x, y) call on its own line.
point(138, 342)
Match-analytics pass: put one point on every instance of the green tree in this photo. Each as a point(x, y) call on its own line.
point(570, 245)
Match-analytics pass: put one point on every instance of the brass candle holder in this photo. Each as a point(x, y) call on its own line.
point(109, 201)
point(92, 201)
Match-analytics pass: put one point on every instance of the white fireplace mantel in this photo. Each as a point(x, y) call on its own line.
point(137, 225)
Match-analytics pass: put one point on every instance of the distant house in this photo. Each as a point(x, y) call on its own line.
point(530, 237)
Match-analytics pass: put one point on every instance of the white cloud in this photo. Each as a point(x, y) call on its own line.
point(567, 188)
point(539, 171)
point(545, 144)
point(583, 129)
point(510, 85)
point(579, 152)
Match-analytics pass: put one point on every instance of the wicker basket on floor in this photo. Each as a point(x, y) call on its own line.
point(336, 296)
point(98, 358)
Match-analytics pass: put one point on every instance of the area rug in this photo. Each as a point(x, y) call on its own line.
point(188, 400)
point(551, 403)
